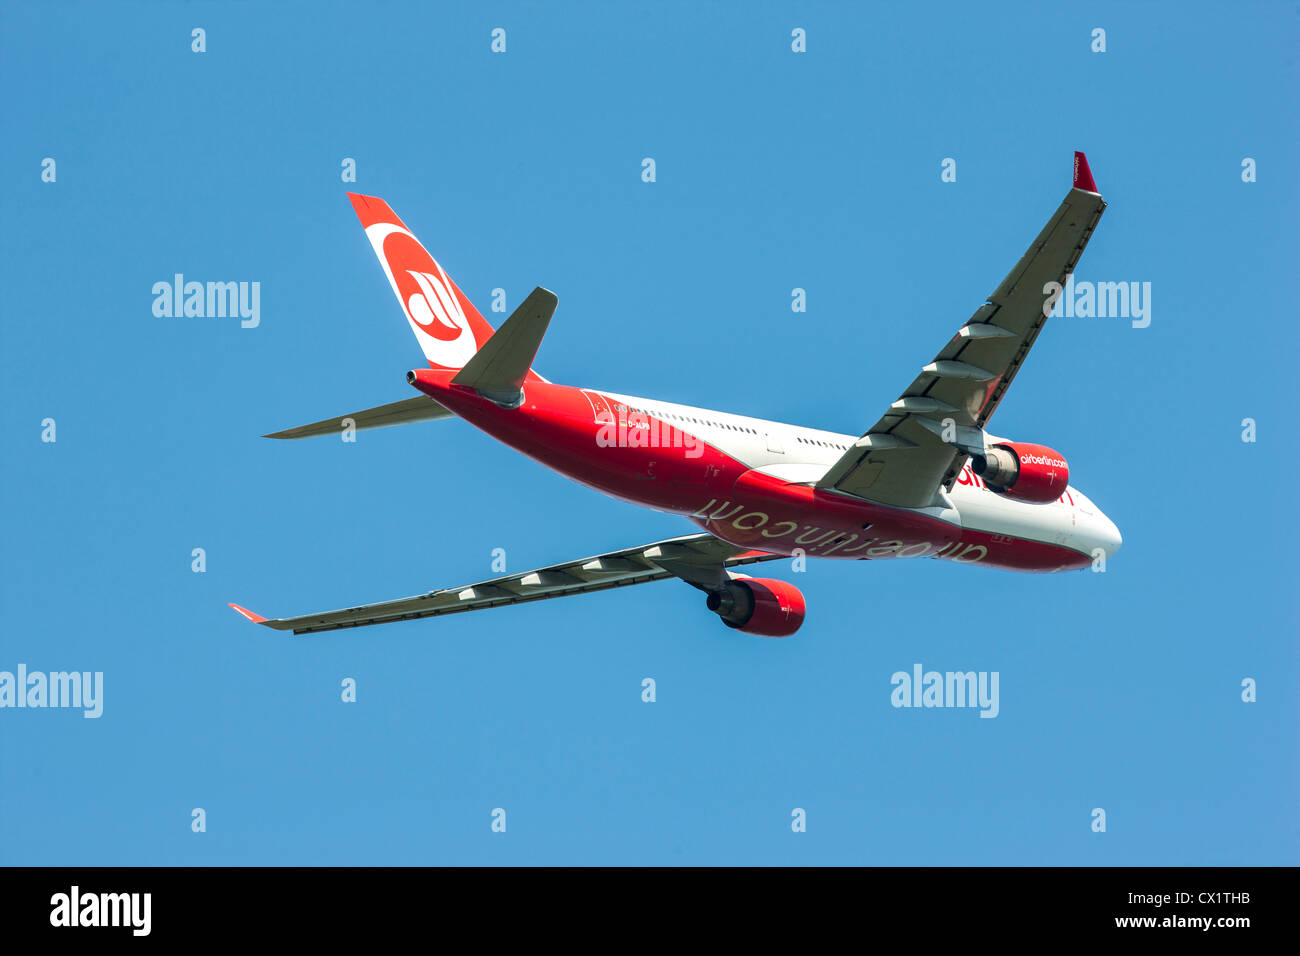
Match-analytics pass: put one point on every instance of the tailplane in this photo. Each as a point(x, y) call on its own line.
point(499, 369)
point(418, 409)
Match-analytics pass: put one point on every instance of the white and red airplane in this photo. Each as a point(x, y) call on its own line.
point(925, 481)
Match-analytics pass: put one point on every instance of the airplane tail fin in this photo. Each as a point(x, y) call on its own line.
point(446, 324)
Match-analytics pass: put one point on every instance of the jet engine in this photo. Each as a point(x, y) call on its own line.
point(1033, 473)
point(760, 606)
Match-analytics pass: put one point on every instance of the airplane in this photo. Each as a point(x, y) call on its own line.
point(925, 481)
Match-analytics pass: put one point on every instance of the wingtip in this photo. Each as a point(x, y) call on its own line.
point(251, 615)
point(1082, 174)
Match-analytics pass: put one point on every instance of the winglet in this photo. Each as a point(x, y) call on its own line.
point(255, 618)
point(1082, 174)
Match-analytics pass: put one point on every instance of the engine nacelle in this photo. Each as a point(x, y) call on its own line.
point(1033, 473)
point(759, 606)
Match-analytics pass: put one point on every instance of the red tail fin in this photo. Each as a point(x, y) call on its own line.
point(446, 324)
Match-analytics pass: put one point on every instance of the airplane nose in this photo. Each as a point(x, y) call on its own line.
point(1108, 537)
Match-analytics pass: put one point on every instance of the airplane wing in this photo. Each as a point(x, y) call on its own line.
point(418, 409)
point(699, 559)
point(923, 439)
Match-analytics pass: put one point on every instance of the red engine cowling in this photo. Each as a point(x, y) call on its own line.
point(761, 606)
point(1027, 472)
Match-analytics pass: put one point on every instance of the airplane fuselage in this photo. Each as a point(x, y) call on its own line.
point(751, 482)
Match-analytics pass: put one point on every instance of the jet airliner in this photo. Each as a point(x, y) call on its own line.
point(925, 481)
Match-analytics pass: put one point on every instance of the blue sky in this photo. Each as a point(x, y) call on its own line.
point(775, 170)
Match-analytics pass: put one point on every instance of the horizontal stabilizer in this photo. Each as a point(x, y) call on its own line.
point(498, 369)
point(418, 409)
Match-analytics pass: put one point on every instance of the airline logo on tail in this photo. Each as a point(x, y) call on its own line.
point(446, 324)
point(426, 295)
point(437, 311)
